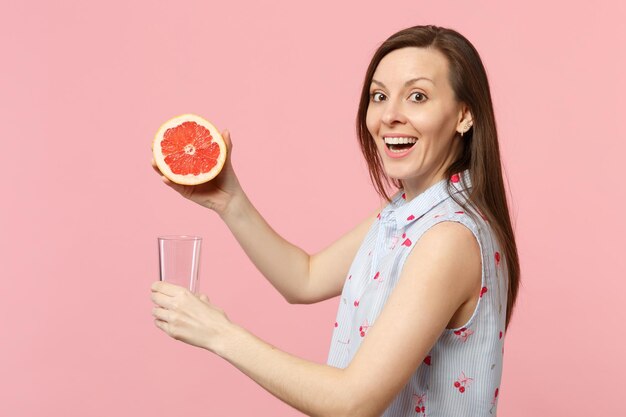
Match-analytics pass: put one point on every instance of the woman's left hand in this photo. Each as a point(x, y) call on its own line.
point(186, 317)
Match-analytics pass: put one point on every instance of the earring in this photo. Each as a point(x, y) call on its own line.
point(466, 128)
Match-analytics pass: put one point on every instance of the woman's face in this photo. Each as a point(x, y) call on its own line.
point(411, 99)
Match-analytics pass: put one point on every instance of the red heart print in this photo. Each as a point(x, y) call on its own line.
point(454, 178)
point(377, 275)
point(411, 217)
point(407, 243)
point(356, 303)
point(497, 257)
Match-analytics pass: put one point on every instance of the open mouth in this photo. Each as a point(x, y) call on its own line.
point(400, 144)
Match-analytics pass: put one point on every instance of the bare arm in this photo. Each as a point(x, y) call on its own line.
point(299, 277)
point(444, 268)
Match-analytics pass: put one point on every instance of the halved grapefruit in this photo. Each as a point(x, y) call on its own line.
point(189, 150)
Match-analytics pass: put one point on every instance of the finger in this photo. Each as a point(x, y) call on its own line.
point(162, 300)
point(168, 288)
point(204, 298)
point(161, 314)
point(155, 167)
point(228, 141)
point(161, 325)
point(158, 171)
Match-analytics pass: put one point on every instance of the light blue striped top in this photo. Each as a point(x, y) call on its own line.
point(461, 374)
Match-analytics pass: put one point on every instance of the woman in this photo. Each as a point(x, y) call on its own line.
point(427, 283)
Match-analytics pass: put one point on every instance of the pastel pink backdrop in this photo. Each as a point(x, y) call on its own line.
point(85, 85)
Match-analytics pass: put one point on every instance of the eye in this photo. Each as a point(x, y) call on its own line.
point(421, 97)
point(374, 94)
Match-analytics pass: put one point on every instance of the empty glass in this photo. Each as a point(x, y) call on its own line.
point(179, 260)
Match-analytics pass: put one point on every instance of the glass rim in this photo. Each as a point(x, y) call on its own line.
point(179, 237)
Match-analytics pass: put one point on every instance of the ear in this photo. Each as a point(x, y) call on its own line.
point(465, 119)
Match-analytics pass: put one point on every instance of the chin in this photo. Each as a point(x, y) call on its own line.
point(401, 174)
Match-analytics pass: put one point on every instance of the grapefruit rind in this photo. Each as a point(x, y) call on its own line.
point(189, 179)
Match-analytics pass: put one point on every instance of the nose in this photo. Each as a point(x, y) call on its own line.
point(393, 113)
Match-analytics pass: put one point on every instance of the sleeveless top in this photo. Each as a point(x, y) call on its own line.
point(461, 374)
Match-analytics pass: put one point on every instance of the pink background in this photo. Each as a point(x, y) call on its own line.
point(84, 87)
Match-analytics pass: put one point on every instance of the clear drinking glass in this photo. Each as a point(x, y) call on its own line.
point(179, 260)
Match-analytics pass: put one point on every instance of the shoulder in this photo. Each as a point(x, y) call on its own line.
point(446, 259)
point(450, 239)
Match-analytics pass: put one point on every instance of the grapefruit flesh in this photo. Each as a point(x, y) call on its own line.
point(189, 150)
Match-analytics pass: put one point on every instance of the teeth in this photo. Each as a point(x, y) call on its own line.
point(398, 141)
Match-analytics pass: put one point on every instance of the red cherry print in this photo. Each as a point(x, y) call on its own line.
point(454, 178)
point(417, 409)
point(360, 328)
point(462, 389)
point(457, 384)
point(377, 275)
point(500, 335)
point(423, 409)
point(411, 217)
point(356, 303)
point(404, 195)
point(362, 334)
point(336, 324)
point(497, 257)
point(457, 332)
point(482, 291)
point(427, 360)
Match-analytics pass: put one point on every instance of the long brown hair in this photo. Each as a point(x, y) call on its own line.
point(480, 154)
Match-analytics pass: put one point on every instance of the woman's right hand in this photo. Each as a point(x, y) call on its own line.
point(216, 194)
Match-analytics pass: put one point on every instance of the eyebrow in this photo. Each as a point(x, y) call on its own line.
point(406, 84)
